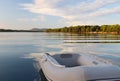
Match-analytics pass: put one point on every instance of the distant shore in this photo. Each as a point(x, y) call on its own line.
point(31, 30)
point(89, 29)
point(80, 29)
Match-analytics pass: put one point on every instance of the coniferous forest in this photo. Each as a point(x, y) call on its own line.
point(115, 29)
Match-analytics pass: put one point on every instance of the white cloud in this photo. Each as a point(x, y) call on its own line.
point(3, 26)
point(42, 18)
point(76, 12)
point(96, 4)
point(39, 18)
point(23, 19)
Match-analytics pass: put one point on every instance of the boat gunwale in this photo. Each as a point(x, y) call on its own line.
point(50, 61)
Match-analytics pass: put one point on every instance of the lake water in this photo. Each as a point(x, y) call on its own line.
point(16, 49)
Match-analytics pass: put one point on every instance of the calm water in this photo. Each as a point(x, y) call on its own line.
point(15, 49)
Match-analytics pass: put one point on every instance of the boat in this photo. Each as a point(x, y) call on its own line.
point(77, 67)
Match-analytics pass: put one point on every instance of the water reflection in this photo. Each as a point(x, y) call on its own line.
point(93, 41)
point(71, 36)
point(97, 45)
point(20, 52)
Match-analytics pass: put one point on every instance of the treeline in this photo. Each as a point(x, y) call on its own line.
point(88, 29)
point(10, 30)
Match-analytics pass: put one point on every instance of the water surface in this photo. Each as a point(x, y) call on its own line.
point(14, 47)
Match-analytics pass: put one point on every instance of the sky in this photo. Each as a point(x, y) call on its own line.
point(27, 14)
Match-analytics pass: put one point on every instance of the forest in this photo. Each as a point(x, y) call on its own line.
point(88, 29)
point(31, 30)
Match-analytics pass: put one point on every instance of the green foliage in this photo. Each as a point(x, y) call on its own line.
point(88, 29)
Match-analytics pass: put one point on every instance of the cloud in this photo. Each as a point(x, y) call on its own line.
point(73, 12)
point(5, 25)
point(42, 18)
point(93, 6)
point(106, 12)
point(39, 18)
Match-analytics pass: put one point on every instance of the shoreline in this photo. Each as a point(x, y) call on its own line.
point(116, 33)
point(102, 33)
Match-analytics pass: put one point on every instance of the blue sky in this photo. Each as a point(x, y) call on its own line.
point(27, 14)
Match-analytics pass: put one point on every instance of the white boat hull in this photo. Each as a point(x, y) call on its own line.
point(76, 68)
